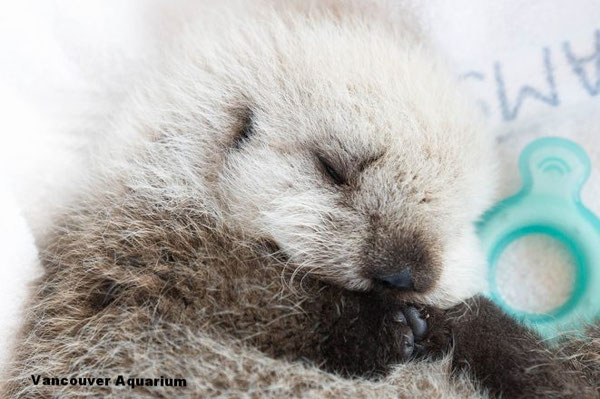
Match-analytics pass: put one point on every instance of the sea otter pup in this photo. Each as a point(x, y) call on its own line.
point(286, 209)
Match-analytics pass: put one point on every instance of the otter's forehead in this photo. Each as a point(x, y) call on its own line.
point(362, 87)
point(320, 73)
point(346, 89)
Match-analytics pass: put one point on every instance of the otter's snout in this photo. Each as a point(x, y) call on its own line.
point(401, 280)
point(402, 262)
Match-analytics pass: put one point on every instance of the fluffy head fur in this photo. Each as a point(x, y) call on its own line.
point(281, 139)
point(260, 108)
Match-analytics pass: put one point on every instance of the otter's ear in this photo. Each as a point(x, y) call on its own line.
point(398, 16)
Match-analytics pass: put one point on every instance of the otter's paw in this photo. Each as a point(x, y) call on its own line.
point(435, 339)
point(370, 340)
point(410, 329)
point(402, 337)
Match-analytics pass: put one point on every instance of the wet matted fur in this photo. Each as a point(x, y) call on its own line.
point(285, 159)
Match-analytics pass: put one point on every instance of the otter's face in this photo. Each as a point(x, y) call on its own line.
point(363, 169)
point(359, 202)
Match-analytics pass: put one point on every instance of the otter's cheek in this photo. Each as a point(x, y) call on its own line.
point(463, 272)
point(291, 222)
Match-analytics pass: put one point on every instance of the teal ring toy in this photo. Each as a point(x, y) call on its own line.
point(554, 171)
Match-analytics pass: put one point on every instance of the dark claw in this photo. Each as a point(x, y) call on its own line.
point(417, 323)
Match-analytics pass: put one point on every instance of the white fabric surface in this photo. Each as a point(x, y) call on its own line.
point(532, 67)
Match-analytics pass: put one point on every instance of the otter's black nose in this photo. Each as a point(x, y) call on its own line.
point(401, 280)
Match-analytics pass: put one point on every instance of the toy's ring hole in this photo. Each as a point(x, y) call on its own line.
point(535, 274)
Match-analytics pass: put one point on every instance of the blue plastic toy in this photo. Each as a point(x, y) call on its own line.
point(554, 171)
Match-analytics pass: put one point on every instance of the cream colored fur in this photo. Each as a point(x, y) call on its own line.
point(313, 78)
point(348, 80)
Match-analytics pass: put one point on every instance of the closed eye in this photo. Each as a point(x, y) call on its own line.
point(334, 175)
